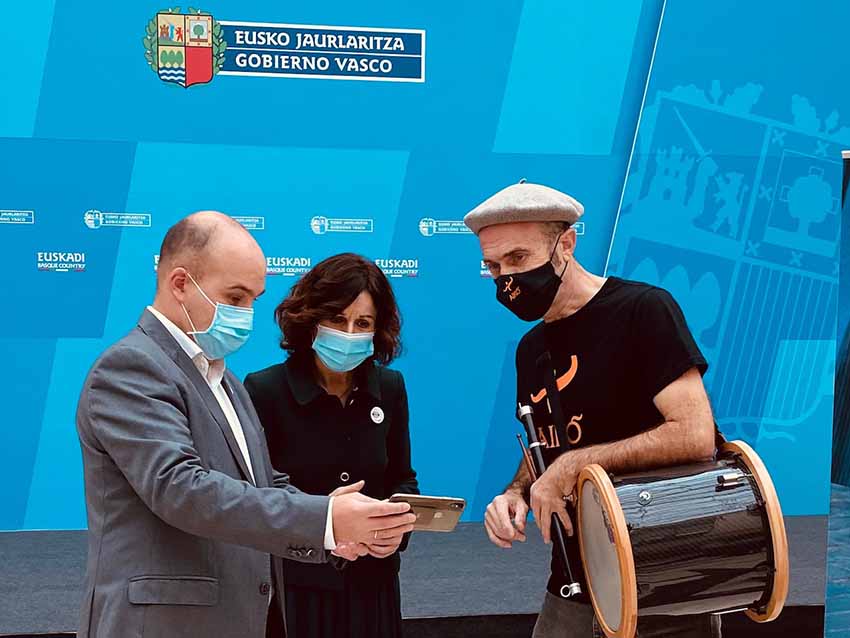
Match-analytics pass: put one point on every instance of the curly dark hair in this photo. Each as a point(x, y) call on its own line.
point(329, 288)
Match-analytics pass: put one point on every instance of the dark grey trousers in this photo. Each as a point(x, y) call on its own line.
point(561, 618)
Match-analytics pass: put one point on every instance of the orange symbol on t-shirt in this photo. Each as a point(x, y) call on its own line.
point(562, 382)
point(574, 435)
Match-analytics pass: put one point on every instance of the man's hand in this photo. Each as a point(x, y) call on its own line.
point(349, 551)
point(505, 517)
point(547, 498)
point(362, 520)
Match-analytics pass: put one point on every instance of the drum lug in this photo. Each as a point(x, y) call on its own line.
point(729, 481)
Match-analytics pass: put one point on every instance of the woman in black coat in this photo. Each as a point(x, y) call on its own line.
point(334, 415)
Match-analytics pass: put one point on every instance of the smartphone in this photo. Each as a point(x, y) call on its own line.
point(433, 513)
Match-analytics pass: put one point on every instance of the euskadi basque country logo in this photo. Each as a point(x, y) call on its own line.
point(185, 49)
point(193, 47)
point(396, 268)
point(288, 266)
point(61, 262)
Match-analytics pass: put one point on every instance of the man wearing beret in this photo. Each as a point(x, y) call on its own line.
point(628, 375)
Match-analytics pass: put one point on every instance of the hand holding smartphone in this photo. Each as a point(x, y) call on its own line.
point(433, 513)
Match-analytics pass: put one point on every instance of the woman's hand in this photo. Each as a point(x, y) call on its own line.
point(348, 489)
point(385, 547)
point(350, 551)
point(380, 548)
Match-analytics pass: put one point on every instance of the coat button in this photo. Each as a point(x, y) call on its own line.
point(265, 588)
point(344, 477)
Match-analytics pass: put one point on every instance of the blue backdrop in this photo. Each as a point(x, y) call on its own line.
point(739, 152)
point(729, 199)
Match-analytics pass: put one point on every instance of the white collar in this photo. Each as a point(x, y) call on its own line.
point(212, 369)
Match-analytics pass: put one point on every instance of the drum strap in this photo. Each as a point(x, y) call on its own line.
point(546, 370)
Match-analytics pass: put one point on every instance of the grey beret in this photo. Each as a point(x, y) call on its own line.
point(524, 202)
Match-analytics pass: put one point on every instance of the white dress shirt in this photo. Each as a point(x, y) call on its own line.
point(213, 372)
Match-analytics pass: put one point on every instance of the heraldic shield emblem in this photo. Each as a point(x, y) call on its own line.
point(184, 49)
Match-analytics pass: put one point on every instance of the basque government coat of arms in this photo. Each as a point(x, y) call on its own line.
point(184, 48)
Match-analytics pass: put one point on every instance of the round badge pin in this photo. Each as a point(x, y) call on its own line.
point(377, 415)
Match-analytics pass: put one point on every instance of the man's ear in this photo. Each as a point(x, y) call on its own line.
point(178, 282)
point(568, 241)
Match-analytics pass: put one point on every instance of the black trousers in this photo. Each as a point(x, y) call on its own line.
point(275, 627)
point(561, 618)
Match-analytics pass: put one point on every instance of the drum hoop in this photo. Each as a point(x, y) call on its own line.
point(776, 523)
point(623, 545)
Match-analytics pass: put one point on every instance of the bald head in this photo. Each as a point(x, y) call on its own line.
point(215, 252)
point(191, 242)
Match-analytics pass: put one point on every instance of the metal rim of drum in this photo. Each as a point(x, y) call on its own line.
point(623, 546)
point(776, 523)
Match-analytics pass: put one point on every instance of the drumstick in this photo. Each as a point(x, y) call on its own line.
point(526, 455)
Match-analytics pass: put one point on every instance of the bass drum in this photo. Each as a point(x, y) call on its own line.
point(702, 538)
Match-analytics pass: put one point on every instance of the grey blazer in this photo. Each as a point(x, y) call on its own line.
point(181, 543)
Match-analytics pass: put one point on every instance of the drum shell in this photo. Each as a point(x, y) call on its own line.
point(698, 547)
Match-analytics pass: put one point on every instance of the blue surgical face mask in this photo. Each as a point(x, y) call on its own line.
point(343, 351)
point(228, 331)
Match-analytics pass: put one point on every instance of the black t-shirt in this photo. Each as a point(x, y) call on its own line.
point(611, 358)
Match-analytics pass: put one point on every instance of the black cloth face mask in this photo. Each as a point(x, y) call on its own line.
point(530, 294)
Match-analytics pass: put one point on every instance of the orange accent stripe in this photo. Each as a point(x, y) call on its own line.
point(563, 381)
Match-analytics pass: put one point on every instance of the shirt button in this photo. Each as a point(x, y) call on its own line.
point(265, 588)
point(344, 477)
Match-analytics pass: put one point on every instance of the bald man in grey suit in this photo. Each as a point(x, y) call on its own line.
point(187, 519)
